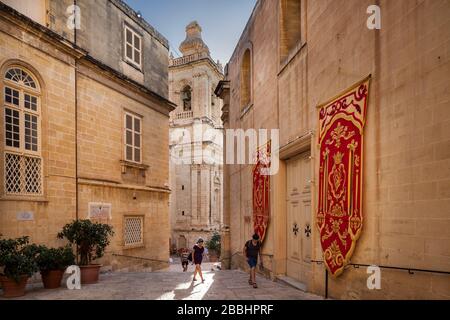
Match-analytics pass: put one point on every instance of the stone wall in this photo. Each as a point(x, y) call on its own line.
point(125, 201)
point(102, 35)
point(56, 74)
point(100, 169)
point(406, 181)
point(83, 107)
point(261, 114)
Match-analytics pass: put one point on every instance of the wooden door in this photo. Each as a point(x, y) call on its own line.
point(299, 217)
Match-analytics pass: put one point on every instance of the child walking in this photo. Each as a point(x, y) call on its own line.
point(184, 256)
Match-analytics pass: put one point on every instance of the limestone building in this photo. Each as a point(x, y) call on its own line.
point(195, 142)
point(294, 56)
point(85, 125)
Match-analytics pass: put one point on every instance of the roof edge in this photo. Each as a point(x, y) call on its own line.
point(130, 12)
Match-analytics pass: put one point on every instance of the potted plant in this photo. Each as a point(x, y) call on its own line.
point(17, 265)
point(52, 262)
point(90, 239)
point(213, 246)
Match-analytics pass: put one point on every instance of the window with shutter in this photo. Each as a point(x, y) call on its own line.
point(133, 138)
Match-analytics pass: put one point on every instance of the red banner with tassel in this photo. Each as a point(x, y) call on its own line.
point(339, 215)
point(261, 191)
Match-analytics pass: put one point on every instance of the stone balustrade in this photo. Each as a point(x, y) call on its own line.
point(191, 58)
point(184, 115)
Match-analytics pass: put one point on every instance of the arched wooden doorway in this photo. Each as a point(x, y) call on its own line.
point(182, 242)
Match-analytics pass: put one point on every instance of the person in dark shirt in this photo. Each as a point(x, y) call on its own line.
point(252, 249)
point(197, 257)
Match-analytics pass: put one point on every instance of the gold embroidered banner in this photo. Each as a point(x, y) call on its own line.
point(339, 215)
point(261, 189)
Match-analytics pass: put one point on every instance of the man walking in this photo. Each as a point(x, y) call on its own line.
point(252, 249)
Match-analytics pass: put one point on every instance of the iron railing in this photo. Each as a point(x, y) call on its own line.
point(357, 265)
point(410, 270)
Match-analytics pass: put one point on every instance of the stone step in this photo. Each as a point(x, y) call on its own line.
point(291, 282)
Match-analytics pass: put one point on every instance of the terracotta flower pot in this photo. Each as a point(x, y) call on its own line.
point(52, 278)
point(213, 256)
point(13, 289)
point(90, 273)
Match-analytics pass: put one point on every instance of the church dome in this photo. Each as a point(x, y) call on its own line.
point(193, 42)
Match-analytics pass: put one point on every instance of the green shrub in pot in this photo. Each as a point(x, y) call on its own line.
point(17, 265)
point(91, 240)
point(52, 263)
point(214, 246)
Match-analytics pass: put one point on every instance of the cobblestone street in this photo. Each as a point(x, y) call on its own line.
point(172, 284)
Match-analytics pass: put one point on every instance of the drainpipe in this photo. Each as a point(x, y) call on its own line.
point(76, 116)
point(210, 196)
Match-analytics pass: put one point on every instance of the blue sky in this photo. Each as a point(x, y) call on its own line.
point(222, 21)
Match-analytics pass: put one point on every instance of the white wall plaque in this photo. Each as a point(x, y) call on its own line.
point(25, 216)
point(99, 210)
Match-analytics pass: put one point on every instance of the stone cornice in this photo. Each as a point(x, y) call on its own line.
point(100, 183)
point(296, 146)
point(15, 18)
point(222, 88)
point(190, 64)
point(223, 92)
point(165, 106)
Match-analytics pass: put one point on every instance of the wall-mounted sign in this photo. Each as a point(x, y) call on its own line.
point(25, 216)
point(99, 210)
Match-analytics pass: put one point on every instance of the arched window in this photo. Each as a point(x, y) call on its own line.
point(186, 98)
point(246, 81)
point(22, 137)
point(290, 27)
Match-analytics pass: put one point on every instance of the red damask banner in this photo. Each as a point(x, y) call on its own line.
point(339, 215)
point(261, 194)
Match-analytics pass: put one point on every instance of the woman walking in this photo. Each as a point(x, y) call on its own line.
point(197, 257)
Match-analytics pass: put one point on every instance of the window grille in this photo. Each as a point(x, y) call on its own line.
point(133, 231)
point(23, 175)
